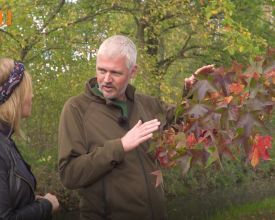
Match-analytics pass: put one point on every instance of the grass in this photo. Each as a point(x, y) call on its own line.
point(264, 209)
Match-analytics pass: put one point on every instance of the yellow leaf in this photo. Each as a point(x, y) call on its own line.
point(241, 48)
point(228, 99)
point(255, 157)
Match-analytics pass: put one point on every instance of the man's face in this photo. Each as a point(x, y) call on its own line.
point(113, 76)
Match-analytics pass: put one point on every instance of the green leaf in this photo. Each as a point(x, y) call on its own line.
point(213, 155)
point(185, 163)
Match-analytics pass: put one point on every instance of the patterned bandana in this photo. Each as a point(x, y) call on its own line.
point(12, 82)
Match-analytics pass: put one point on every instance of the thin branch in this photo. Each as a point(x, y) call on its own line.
point(11, 36)
point(268, 22)
point(58, 9)
point(80, 20)
point(119, 9)
point(43, 51)
point(38, 37)
point(173, 26)
point(31, 42)
point(166, 62)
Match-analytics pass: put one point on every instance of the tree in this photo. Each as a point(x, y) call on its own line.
point(175, 37)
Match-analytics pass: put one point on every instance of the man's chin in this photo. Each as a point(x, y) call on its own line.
point(108, 95)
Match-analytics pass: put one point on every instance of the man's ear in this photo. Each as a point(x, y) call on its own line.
point(133, 71)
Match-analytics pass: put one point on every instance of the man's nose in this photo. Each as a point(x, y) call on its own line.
point(108, 77)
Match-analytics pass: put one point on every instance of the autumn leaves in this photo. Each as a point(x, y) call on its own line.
point(225, 113)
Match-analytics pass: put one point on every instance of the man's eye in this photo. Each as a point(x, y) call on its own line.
point(102, 71)
point(116, 73)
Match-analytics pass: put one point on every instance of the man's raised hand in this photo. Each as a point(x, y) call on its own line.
point(140, 133)
point(190, 81)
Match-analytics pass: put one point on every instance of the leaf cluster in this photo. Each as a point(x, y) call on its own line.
point(225, 113)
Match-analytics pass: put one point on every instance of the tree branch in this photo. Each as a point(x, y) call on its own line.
point(166, 62)
point(11, 36)
point(38, 37)
point(173, 26)
point(268, 22)
point(43, 51)
point(80, 20)
point(58, 9)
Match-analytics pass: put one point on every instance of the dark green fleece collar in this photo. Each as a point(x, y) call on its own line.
point(120, 104)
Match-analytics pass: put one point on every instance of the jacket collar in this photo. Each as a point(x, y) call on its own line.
point(6, 129)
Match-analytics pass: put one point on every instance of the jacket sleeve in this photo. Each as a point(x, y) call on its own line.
point(78, 167)
point(37, 210)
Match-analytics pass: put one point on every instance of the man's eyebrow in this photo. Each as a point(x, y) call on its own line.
point(116, 71)
point(112, 71)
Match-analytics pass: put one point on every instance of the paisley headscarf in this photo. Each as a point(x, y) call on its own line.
point(12, 82)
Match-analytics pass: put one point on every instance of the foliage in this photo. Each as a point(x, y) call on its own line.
point(57, 41)
point(255, 210)
point(225, 113)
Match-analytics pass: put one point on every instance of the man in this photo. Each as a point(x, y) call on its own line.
point(103, 141)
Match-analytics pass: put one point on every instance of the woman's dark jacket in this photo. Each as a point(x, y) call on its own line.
point(17, 184)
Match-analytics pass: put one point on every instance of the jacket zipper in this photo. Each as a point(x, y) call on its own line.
point(23, 178)
point(147, 184)
point(145, 177)
point(20, 176)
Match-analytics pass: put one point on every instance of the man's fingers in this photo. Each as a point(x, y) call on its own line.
point(140, 133)
point(145, 138)
point(151, 122)
point(137, 124)
point(147, 123)
point(205, 69)
point(148, 131)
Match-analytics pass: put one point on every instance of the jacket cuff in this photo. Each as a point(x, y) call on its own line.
point(116, 150)
point(47, 207)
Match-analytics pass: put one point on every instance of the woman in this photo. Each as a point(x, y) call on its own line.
point(17, 183)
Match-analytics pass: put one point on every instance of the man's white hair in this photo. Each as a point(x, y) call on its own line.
point(119, 45)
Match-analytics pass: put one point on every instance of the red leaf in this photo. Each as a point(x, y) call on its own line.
point(214, 95)
point(236, 88)
point(170, 136)
point(244, 97)
point(161, 156)
point(256, 76)
point(271, 74)
point(236, 67)
point(191, 140)
point(259, 149)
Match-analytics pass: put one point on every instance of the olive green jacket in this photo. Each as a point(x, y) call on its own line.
point(112, 184)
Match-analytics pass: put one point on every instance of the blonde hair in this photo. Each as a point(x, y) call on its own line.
point(11, 110)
